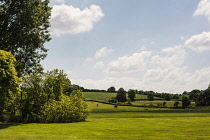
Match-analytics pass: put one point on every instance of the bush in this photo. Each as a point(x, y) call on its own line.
point(69, 109)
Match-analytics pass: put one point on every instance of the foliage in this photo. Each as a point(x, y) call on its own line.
point(121, 95)
point(176, 103)
point(9, 84)
point(111, 89)
point(23, 31)
point(44, 99)
point(164, 104)
point(132, 94)
point(168, 97)
point(150, 96)
point(69, 109)
point(112, 100)
point(193, 95)
point(185, 101)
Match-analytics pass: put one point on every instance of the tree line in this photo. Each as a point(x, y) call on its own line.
point(27, 94)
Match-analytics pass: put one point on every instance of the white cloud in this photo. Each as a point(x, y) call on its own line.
point(203, 9)
point(70, 20)
point(103, 52)
point(199, 43)
point(135, 62)
point(173, 56)
point(176, 80)
point(99, 64)
point(171, 80)
point(131, 83)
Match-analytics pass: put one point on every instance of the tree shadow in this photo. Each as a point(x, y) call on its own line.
point(7, 125)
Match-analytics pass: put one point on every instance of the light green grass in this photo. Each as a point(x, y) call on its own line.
point(106, 95)
point(99, 95)
point(109, 123)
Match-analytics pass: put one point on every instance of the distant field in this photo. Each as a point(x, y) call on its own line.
point(122, 123)
point(99, 95)
point(106, 96)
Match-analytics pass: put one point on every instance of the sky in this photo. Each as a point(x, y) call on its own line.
point(150, 45)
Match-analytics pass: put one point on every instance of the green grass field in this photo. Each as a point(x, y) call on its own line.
point(107, 122)
point(106, 96)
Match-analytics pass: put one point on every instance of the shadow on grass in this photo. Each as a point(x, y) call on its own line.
point(7, 125)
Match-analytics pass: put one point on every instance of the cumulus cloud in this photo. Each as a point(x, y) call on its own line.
point(135, 62)
point(171, 80)
point(176, 80)
point(103, 52)
point(199, 43)
point(131, 83)
point(70, 20)
point(203, 9)
point(99, 64)
point(173, 56)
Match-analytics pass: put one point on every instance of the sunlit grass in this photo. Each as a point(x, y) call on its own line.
point(107, 122)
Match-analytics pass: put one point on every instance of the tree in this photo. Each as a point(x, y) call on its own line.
point(121, 95)
point(168, 97)
point(150, 96)
point(132, 94)
point(69, 109)
point(9, 83)
point(193, 95)
point(23, 32)
point(176, 103)
point(206, 96)
point(185, 101)
point(111, 89)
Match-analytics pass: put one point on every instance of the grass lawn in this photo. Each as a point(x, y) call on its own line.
point(107, 122)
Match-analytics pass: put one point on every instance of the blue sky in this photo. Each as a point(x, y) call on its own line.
point(146, 45)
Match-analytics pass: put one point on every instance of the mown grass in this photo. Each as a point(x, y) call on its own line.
point(107, 122)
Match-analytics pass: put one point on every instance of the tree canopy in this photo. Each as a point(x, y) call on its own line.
point(23, 32)
point(9, 82)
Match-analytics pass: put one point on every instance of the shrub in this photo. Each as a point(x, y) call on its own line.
point(69, 109)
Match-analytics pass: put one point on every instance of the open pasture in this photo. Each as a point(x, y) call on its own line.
point(107, 122)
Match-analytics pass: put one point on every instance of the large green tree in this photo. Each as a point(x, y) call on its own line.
point(23, 32)
point(9, 83)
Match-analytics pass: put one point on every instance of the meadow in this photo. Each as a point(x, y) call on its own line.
point(122, 123)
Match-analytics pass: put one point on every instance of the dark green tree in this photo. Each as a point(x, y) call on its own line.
point(121, 95)
point(185, 101)
point(206, 96)
point(111, 89)
point(23, 32)
point(193, 95)
point(150, 96)
point(132, 94)
point(176, 103)
point(168, 97)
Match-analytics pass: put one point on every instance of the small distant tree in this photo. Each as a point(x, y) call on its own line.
point(185, 101)
point(150, 96)
point(164, 104)
point(112, 100)
point(111, 89)
point(168, 97)
point(176, 103)
point(132, 94)
point(206, 96)
point(121, 95)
